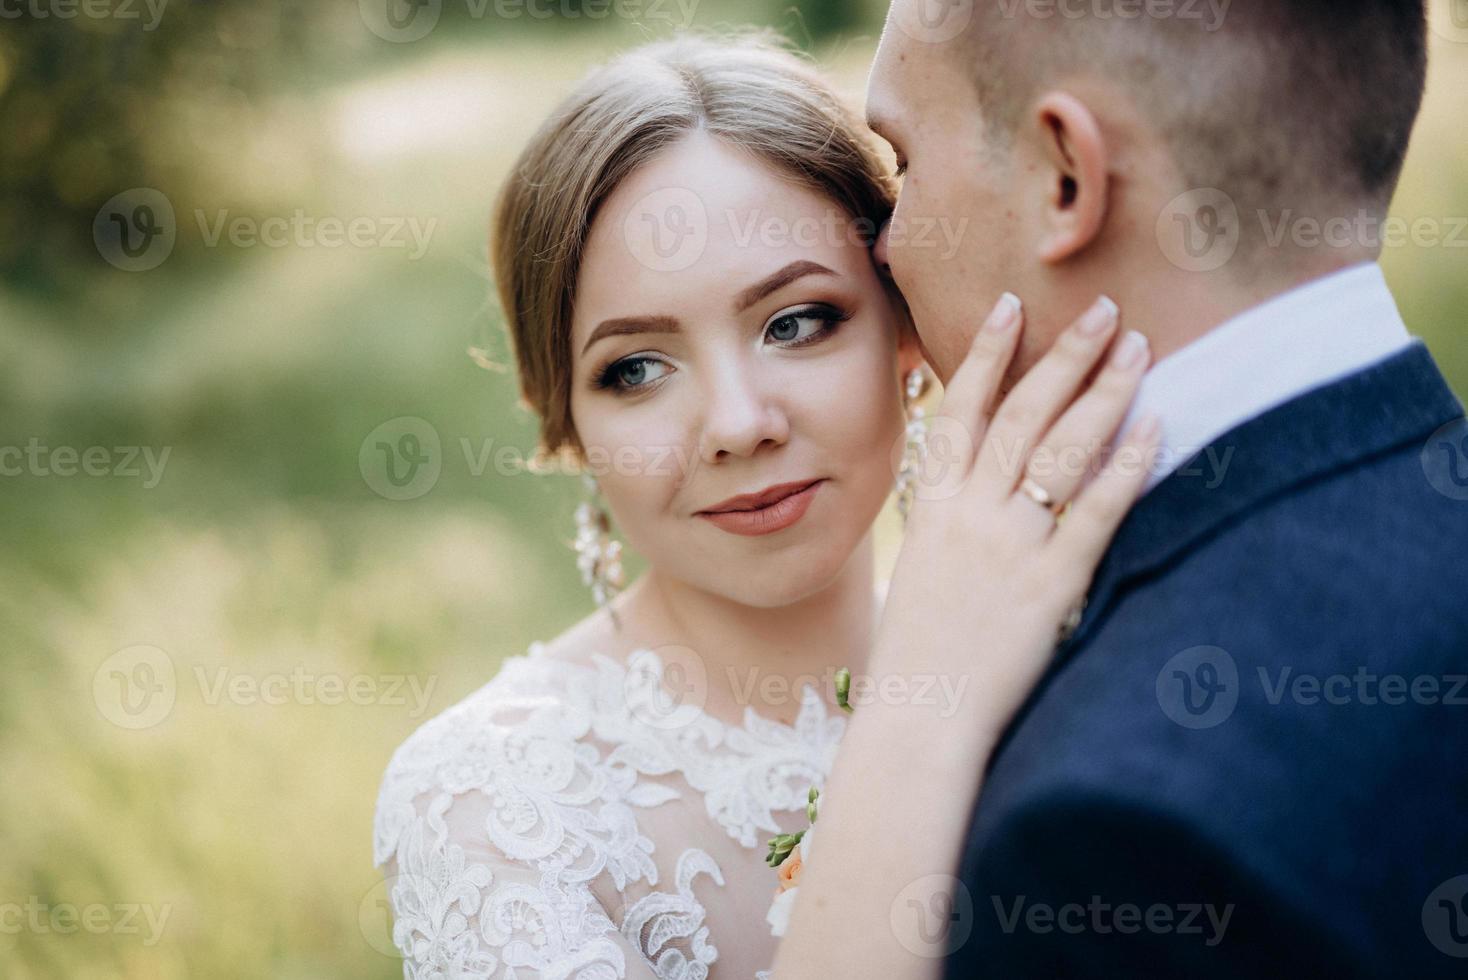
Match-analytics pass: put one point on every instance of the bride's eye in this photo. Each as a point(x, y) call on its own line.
point(808, 325)
point(631, 373)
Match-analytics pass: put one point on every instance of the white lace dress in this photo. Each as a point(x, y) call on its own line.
point(563, 822)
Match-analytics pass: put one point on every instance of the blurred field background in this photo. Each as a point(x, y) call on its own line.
point(264, 554)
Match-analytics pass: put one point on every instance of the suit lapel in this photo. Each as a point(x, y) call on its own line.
point(1401, 400)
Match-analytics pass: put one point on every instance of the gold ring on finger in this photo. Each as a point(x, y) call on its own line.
point(1038, 494)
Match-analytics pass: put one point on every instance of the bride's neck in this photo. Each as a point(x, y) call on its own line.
point(757, 656)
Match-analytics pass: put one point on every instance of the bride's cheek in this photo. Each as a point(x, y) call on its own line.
point(864, 423)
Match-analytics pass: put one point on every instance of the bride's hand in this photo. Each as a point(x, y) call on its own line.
point(987, 574)
point(984, 580)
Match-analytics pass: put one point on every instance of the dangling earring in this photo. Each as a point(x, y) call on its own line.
point(597, 555)
point(916, 449)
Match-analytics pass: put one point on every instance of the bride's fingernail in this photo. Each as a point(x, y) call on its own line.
point(1129, 350)
point(1006, 313)
point(1100, 317)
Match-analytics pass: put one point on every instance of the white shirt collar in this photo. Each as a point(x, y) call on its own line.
point(1302, 339)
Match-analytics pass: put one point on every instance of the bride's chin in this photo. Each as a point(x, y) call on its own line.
point(776, 583)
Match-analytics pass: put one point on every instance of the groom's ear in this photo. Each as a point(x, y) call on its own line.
point(1073, 157)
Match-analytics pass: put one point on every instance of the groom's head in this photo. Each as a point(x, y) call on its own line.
point(1163, 151)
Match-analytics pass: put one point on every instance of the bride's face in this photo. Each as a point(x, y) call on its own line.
point(731, 335)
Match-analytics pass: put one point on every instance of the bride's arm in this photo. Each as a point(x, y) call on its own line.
point(983, 582)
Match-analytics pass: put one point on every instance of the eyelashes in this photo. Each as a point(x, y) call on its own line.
point(827, 319)
point(615, 375)
point(629, 375)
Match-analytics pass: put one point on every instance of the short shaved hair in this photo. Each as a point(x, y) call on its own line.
point(1278, 103)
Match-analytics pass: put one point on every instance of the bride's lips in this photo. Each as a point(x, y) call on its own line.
point(772, 509)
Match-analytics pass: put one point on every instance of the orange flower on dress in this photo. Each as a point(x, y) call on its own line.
point(790, 871)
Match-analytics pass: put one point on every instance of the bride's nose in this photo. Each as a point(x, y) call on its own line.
point(740, 416)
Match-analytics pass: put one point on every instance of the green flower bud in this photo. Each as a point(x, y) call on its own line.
point(843, 689)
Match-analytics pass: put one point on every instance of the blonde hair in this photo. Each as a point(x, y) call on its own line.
point(749, 90)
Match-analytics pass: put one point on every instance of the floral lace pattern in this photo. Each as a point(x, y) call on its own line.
point(518, 823)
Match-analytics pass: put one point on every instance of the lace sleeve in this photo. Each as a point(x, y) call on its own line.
point(476, 831)
point(463, 911)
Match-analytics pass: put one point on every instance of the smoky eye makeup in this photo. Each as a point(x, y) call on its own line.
point(793, 328)
point(632, 373)
point(789, 327)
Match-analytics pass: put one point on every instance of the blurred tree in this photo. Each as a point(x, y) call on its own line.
point(825, 19)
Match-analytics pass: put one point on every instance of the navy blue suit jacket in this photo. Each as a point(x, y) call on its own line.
point(1219, 776)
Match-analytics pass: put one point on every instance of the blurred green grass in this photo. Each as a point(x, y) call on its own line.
point(264, 551)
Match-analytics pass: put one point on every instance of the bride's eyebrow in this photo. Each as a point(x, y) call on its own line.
point(623, 325)
point(632, 324)
point(798, 269)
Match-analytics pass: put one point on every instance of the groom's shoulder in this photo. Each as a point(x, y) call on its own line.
point(1354, 494)
point(1373, 551)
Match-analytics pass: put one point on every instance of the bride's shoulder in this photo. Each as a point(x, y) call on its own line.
point(521, 691)
point(533, 697)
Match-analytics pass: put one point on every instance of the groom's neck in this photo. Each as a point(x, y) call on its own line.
point(1174, 310)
